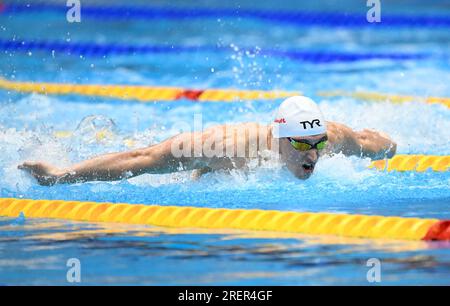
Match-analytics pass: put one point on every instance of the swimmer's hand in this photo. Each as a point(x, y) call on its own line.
point(45, 174)
point(198, 173)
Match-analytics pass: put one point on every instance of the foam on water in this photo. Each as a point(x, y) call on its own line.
point(416, 127)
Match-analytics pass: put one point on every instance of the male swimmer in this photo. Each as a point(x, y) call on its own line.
point(297, 137)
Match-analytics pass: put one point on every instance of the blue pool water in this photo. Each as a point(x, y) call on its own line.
point(36, 251)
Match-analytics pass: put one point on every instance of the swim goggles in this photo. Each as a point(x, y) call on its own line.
point(304, 145)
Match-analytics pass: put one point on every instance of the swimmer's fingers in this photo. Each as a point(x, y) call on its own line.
point(44, 173)
point(27, 166)
point(34, 168)
point(197, 173)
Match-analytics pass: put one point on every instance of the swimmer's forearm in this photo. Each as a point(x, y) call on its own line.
point(116, 166)
point(108, 167)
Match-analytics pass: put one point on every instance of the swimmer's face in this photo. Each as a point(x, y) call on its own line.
point(300, 163)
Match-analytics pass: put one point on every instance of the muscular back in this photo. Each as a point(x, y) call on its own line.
point(222, 146)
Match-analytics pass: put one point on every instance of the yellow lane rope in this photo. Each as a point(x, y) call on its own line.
point(164, 93)
point(213, 218)
point(144, 93)
point(374, 96)
point(419, 163)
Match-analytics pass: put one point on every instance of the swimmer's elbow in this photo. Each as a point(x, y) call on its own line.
point(387, 147)
point(143, 160)
point(381, 151)
point(156, 159)
point(375, 145)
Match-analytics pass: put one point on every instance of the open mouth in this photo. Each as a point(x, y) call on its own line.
point(308, 167)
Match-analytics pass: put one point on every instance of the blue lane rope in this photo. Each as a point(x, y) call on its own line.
point(104, 49)
point(299, 18)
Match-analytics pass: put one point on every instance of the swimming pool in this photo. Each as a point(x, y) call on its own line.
point(229, 52)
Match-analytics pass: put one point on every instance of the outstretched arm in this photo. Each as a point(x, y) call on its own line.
point(366, 143)
point(114, 166)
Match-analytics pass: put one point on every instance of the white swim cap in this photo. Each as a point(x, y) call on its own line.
point(298, 116)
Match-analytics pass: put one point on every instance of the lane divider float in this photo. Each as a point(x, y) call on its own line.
point(417, 163)
point(144, 93)
point(382, 97)
point(346, 225)
point(166, 93)
point(295, 18)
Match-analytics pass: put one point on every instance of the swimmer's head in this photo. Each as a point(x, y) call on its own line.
point(301, 129)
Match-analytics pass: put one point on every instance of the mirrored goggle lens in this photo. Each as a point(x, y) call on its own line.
point(302, 146)
point(321, 145)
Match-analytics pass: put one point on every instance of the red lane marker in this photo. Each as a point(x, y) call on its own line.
point(190, 94)
point(439, 231)
point(2, 7)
